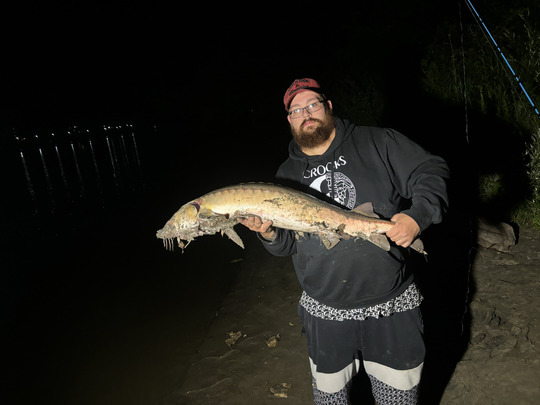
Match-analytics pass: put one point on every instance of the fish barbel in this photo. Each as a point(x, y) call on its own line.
point(220, 210)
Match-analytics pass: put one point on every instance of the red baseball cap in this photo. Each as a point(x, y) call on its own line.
point(299, 86)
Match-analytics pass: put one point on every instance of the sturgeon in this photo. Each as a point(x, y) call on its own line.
point(220, 210)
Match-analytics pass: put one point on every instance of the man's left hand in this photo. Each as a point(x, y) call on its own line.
point(405, 230)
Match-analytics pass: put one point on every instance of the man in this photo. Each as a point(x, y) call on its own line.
point(359, 302)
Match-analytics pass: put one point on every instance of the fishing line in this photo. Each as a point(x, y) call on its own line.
point(485, 30)
point(464, 75)
point(471, 235)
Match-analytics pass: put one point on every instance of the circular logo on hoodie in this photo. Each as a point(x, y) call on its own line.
point(344, 190)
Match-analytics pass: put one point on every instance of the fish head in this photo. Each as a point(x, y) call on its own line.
point(183, 225)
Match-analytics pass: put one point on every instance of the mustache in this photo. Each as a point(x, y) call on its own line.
point(310, 119)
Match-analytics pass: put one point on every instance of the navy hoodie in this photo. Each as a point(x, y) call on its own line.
point(363, 164)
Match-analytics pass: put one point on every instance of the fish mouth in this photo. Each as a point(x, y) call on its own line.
point(169, 233)
point(169, 238)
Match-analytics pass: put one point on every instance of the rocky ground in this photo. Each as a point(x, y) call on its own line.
point(255, 353)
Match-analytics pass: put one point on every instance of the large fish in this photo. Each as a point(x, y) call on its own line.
point(219, 211)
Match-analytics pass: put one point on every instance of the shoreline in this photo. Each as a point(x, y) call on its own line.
point(263, 302)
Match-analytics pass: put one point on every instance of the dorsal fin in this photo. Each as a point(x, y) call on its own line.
point(366, 209)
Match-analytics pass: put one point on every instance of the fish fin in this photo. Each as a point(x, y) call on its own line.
point(379, 240)
point(418, 245)
point(233, 236)
point(366, 209)
point(329, 240)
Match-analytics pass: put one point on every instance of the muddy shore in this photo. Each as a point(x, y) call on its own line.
point(500, 363)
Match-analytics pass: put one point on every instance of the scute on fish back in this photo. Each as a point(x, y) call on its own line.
point(219, 211)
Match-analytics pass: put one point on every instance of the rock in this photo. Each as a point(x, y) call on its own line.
point(272, 341)
point(280, 390)
point(500, 236)
point(233, 338)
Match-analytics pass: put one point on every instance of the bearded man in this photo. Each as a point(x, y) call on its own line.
point(360, 306)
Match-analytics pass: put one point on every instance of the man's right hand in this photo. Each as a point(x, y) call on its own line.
point(255, 223)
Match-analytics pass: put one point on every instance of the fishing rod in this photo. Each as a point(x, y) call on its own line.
point(481, 22)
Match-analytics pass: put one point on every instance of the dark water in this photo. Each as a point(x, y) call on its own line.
point(95, 310)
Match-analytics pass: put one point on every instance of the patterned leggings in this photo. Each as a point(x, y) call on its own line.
point(383, 393)
point(331, 398)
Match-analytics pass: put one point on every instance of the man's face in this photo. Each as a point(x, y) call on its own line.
point(311, 129)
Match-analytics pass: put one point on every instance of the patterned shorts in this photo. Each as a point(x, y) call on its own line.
point(385, 339)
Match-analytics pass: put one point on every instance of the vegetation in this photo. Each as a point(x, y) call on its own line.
point(463, 67)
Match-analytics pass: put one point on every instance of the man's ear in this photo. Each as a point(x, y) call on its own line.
point(289, 118)
point(329, 104)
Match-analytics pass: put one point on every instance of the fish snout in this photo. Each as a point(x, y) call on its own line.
point(169, 231)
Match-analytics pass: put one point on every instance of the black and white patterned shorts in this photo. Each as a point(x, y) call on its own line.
point(386, 338)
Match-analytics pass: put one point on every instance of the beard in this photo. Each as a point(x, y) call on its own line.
point(315, 135)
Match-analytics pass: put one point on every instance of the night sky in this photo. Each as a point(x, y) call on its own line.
point(92, 61)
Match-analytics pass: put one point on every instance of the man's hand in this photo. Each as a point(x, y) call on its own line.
point(255, 223)
point(405, 230)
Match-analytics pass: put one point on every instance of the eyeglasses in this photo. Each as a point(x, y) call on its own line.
point(310, 109)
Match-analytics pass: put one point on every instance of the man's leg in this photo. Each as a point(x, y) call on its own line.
point(393, 353)
point(333, 357)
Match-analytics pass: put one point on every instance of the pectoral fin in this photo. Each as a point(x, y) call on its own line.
point(233, 236)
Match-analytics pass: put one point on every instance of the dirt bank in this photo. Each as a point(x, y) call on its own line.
point(500, 363)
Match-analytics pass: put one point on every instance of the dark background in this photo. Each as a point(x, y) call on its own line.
point(93, 306)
